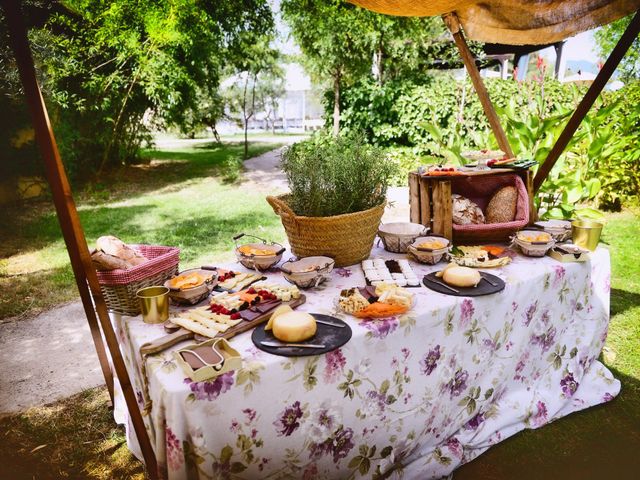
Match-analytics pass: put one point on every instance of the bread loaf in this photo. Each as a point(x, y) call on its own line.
point(114, 246)
point(502, 206)
point(465, 211)
point(103, 261)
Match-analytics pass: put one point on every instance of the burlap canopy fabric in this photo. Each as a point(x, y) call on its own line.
point(514, 22)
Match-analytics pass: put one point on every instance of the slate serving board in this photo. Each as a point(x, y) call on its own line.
point(483, 288)
point(331, 337)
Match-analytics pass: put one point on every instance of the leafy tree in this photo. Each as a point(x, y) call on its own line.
point(254, 61)
point(405, 47)
point(334, 37)
point(607, 37)
point(271, 90)
point(112, 69)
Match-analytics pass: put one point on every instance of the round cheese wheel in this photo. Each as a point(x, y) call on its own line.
point(294, 327)
point(281, 310)
point(461, 276)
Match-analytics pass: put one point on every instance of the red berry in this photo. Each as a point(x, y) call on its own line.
point(235, 316)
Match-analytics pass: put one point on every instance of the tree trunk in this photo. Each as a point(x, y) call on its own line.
point(379, 60)
point(336, 105)
point(244, 115)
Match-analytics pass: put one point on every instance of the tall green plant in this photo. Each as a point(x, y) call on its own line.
point(332, 176)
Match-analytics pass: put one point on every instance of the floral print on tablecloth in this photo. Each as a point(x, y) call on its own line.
point(412, 396)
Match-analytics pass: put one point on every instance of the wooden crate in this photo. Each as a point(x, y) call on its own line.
point(430, 201)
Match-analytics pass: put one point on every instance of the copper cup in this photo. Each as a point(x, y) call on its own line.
point(154, 302)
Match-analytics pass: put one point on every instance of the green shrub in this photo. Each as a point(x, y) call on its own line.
point(438, 119)
point(332, 176)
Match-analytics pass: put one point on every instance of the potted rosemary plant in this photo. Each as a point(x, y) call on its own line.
point(338, 194)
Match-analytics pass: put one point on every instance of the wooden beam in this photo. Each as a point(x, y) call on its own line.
point(72, 231)
point(453, 24)
point(590, 97)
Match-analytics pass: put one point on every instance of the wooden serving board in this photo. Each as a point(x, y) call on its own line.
point(162, 343)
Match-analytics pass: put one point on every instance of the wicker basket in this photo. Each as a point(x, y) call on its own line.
point(119, 287)
point(480, 190)
point(347, 238)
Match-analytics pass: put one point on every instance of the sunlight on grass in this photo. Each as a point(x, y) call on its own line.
point(178, 201)
point(73, 438)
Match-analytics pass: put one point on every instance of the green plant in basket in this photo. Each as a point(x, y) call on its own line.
point(332, 176)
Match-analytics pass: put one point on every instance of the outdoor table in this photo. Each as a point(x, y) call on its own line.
point(421, 393)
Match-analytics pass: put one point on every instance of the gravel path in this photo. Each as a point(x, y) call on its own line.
point(51, 356)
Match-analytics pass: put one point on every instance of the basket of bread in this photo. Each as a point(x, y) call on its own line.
point(124, 269)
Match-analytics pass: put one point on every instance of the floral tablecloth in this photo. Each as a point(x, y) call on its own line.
point(418, 395)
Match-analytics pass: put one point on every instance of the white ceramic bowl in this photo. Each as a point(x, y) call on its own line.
point(533, 249)
point(430, 257)
point(308, 272)
point(397, 236)
point(260, 262)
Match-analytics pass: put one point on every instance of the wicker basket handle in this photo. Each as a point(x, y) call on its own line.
point(280, 207)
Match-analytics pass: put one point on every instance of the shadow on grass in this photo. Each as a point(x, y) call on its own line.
point(36, 291)
point(45, 230)
point(600, 442)
point(622, 300)
point(77, 438)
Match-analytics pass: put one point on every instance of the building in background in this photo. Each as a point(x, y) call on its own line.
point(299, 109)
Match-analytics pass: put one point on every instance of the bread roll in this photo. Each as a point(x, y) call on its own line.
point(103, 261)
point(115, 247)
point(502, 206)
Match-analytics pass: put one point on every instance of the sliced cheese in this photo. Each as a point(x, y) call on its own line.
point(294, 327)
point(461, 276)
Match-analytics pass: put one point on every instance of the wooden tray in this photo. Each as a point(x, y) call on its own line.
point(181, 334)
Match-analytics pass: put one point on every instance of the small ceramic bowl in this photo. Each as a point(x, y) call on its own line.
point(427, 255)
point(533, 248)
point(193, 295)
point(308, 272)
point(260, 262)
point(396, 237)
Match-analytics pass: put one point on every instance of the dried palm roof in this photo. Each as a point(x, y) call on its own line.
point(514, 22)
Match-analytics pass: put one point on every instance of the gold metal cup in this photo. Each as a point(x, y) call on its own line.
point(154, 302)
point(586, 233)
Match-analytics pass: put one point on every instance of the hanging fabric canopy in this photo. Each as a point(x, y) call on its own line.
point(514, 22)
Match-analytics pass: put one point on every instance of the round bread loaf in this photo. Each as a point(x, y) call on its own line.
point(465, 211)
point(502, 206)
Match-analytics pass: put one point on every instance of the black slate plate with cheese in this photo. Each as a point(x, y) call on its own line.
point(483, 288)
point(331, 337)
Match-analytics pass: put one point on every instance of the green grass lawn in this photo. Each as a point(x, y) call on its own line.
point(178, 198)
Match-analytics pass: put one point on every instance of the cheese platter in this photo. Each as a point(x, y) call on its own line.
point(227, 315)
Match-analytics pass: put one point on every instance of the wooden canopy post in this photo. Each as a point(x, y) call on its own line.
point(589, 98)
point(453, 24)
point(587, 101)
point(72, 231)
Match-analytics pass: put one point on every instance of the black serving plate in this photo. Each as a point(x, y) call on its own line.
point(483, 288)
point(331, 337)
